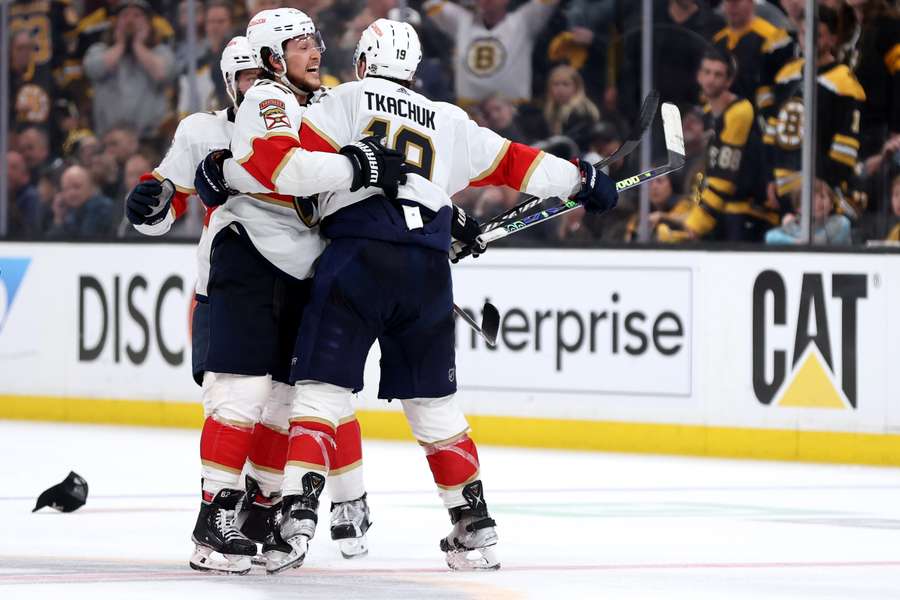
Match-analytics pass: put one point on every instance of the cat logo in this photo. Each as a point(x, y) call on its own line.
point(813, 378)
point(485, 56)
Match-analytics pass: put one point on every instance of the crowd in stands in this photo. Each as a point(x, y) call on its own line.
point(98, 87)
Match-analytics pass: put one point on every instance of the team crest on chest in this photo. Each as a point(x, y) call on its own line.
point(273, 113)
point(485, 56)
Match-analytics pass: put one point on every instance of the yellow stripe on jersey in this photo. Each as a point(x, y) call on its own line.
point(789, 72)
point(699, 221)
point(712, 199)
point(892, 59)
point(738, 123)
point(747, 208)
point(721, 186)
point(787, 181)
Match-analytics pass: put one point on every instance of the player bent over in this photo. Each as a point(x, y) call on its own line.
point(385, 276)
point(262, 253)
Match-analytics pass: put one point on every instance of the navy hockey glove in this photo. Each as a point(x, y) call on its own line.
point(148, 203)
point(209, 180)
point(374, 164)
point(598, 191)
point(464, 230)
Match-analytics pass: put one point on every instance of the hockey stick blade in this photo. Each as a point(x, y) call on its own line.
point(534, 211)
point(490, 322)
point(645, 120)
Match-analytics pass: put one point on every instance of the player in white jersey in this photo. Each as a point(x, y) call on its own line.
point(262, 253)
point(385, 276)
point(493, 46)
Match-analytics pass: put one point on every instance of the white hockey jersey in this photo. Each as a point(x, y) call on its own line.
point(196, 136)
point(267, 156)
point(496, 60)
point(448, 150)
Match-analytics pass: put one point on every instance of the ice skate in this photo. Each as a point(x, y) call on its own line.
point(472, 542)
point(298, 524)
point(256, 518)
point(349, 523)
point(220, 546)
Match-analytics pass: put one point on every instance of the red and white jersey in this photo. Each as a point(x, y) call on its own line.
point(196, 136)
point(496, 60)
point(448, 150)
point(267, 156)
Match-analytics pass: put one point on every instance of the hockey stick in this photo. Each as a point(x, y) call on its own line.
point(645, 120)
point(535, 210)
point(490, 322)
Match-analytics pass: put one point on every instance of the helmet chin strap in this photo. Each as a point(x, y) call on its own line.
point(283, 77)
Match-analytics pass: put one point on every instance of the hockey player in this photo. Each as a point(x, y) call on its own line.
point(385, 276)
point(839, 97)
point(735, 176)
point(262, 253)
point(153, 206)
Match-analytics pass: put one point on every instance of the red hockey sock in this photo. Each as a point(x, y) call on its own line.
point(349, 447)
point(223, 450)
point(312, 445)
point(268, 448)
point(453, 463)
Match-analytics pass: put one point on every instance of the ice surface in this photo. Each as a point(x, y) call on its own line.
point(571, 525)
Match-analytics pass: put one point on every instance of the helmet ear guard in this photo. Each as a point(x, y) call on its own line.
point(236, 57)
point(390, 48)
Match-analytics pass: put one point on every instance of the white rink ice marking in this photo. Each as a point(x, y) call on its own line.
point(571, 524)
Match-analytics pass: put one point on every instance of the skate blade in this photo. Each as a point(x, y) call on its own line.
point(276, 561)
point(258, 561)
point(482, 559)
point(354, 547)
point(210, 561)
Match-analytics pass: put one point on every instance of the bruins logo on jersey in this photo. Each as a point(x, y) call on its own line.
point(32, 104)
point(485, 56)
point(789, 130)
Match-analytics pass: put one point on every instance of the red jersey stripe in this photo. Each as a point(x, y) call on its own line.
point(268, 156)
point(512, 168)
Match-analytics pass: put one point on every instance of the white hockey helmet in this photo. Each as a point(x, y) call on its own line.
point(269, 29)
point(236, 57)
point(391, 49)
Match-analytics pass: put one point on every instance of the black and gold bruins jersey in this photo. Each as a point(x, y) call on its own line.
point(876, 63)
point(761, 50)
point(733, 190)
point(50, 23)
point(839, 99)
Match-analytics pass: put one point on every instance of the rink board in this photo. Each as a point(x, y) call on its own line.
point(753, 354)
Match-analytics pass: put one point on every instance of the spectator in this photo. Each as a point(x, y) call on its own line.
point(218, 29)
point(760, 48)
point(24, 201)
point(668, 210)
point(493, 46)
point(49, 23)
point(33, 144)
point(838, 98)
point(105, 172)
point(79, 209)
point(694, 130)
point(32, 84)
point(875, 58)
point(567, 110)
point(501, 116)
point(828, 228)
point(735, 174)
point(681, 33)
point(894, 235)
point(121, 143)
point(130, 73)
point(585, 43)
point(181, 33)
